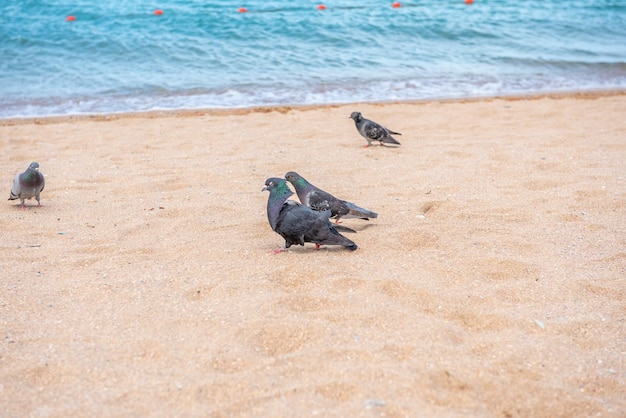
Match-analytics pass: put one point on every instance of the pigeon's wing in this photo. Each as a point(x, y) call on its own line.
point(320, 200)
point(16, 189)
point(376, 132)
point(373, 131)
point(322, 232)
point(294, 223)
point(339, 208)
point(300, 224)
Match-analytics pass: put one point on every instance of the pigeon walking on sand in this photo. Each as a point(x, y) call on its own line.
point(298, 224)
point(372, 131)
point(318, 199)
point(27, 185)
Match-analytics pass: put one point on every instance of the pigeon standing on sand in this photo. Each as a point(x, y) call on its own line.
point(318, 199)
point(298, 224)
point(372, 131)
point(27, 185)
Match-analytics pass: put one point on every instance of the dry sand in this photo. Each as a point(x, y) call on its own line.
point(492, 283)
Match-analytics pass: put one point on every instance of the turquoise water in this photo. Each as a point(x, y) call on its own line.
point(118, 56)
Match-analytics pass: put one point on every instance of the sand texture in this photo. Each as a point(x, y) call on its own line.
point(492, 284)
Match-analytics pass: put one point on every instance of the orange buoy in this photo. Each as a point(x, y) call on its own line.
point(158, 12)
point(70, 18)
point(396, 4)
point(469, 1)
point(242, 10)
point(321, 7)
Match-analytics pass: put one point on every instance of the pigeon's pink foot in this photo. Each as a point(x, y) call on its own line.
point(277, 250)
point(23, 207)
point(317, 246)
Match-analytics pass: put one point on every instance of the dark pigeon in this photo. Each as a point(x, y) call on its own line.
point(372, 131)
point(320, 200)
point(298, 224)
point(27, 185)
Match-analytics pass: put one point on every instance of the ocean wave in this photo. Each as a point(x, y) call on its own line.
point(271, 94)
point(118, 56)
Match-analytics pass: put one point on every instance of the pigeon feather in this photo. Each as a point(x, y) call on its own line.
point(318, 199)
point(28, 184)
point(298, 224)
point(373, 131)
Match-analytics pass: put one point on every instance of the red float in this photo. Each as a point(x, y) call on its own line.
point(396, 4)
point(242, 10)
point(158, 12)
point(70, 18)
point(321, 7)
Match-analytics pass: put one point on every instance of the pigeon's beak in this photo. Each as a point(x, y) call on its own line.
point(264, 189)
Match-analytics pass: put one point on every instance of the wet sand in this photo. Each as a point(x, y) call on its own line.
point(491, 284)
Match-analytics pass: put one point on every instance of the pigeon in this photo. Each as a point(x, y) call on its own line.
point(298, 224)
point(372, 131)
point(27, 185)
point(320, 200)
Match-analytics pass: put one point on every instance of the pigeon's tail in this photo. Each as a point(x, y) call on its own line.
point(344, 228)
point(13, 196)
point(358, 212)
point(390, 140)
point(352, 246)
point(349, 244)
point(335, 238)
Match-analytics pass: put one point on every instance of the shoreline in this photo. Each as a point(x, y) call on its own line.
point(583, 94)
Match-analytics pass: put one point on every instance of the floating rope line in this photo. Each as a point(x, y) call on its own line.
point(321, 6)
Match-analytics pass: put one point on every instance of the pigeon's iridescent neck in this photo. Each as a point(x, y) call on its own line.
point(30, 177)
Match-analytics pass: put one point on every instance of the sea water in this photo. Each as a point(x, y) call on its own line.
point(125, 56)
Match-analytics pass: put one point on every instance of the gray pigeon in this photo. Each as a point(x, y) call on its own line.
point(318, 199)
point(372, 131)
point(298, 224)
point(27, 185)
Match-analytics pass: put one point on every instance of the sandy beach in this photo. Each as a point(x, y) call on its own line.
point(492, 284)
